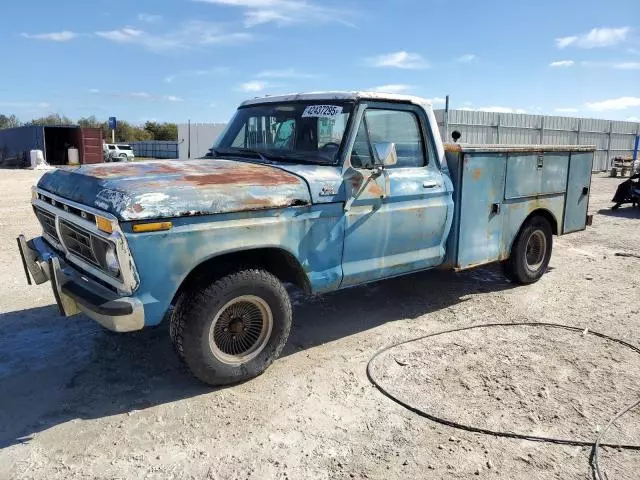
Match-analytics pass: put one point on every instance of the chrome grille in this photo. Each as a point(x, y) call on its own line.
point(78, 241)
point(48, 222)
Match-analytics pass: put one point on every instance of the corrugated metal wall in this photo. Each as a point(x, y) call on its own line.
point(155, 149)
point(201, 139)
point(611, 138)
point(16, 143)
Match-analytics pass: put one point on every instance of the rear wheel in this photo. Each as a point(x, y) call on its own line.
point(531, 252)
point(234, 328)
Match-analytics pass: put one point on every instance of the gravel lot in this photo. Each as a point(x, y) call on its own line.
point(80, 402)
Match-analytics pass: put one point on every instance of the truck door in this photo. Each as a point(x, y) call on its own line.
point(401, 230)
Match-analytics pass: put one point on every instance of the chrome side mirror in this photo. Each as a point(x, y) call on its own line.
point(385, 153)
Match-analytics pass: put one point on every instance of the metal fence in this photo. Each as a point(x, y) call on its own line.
point(611, 138)
point(155, 149)
point(196, 139)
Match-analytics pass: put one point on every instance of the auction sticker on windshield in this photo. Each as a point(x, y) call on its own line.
point(323, 111)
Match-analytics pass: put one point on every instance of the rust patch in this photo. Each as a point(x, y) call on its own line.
point(452, 147)
point(244, 176)
point(136, 207)
point(374, 189)
point(477, 173)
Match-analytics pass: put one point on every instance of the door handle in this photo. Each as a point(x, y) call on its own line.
point(430, 184)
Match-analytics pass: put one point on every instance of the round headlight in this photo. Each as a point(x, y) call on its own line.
point(111, 259)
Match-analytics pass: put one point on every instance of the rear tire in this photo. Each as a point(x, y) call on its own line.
point(233, 329)
point(531, 252)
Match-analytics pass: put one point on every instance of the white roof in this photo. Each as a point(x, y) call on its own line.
point(315, 96)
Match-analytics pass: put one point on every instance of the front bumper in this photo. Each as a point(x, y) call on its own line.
point(75, 292)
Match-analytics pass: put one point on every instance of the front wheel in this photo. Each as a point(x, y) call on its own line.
point(531, 252)
point(234, 328)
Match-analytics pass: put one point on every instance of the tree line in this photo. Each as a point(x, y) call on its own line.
point(125, 131)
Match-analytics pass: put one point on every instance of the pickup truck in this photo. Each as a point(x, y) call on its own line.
point(322, 191)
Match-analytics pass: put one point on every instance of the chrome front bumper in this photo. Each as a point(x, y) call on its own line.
point(75, 292)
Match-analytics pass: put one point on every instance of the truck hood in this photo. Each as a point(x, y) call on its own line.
point(165, 189)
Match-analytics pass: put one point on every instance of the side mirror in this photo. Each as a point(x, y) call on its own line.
point(456, 135)
point(385, 153)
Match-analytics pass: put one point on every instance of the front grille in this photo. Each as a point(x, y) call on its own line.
point(78, 241)
point(67, 208)
point(48, 222)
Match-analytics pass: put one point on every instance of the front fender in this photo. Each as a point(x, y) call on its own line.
point(313, 235)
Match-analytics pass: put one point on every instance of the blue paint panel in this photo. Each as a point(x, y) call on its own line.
point(577, 201)
point(313, 235)
point(480, 231)
point(554, 173)
point(16, 143)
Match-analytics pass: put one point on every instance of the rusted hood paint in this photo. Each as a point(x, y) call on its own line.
point(165, 189)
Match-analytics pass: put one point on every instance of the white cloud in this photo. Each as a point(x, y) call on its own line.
point(29, 105)
point(149, 18)
point(138, 96)
point(469, 57)
point(627, 65)
point(437, 100)
point(189, 35)
point(253, 86)
point(614, 65)
point(633, 119)
point(52, 37)
point(562, 63)
point(494, 109)
point(198, 73)
point(401, 59)
point(392, 88)
point(566, 110)
point(284, 73)
point(620, 103)
point(498, 109)
point(597, 37)
point(284, 12)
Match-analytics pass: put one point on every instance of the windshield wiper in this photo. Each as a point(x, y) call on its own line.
point(265, 157)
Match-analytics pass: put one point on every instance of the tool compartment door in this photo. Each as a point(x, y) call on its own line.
point(533, 174)
point(578, 187)
point(480, 234)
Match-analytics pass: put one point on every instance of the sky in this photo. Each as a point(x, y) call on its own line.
point(179, 60)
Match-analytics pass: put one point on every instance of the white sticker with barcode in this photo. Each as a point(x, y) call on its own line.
point(322, 111)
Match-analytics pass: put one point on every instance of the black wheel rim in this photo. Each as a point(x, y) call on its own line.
point(241, 329)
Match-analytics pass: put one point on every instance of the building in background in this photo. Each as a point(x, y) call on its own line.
point(611, 138)
point(195, 139)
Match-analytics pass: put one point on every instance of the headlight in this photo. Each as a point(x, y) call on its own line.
point(111, 260)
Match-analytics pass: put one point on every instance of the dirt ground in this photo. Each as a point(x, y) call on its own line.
point(80, 402)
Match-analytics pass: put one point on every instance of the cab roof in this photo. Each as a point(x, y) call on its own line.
point(338, 95)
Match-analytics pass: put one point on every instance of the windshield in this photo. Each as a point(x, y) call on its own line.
point(310, 132)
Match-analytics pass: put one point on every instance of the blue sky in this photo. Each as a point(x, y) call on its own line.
point(174, 60)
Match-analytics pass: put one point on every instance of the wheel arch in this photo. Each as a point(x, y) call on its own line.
point(278, 261)
point(539, 212)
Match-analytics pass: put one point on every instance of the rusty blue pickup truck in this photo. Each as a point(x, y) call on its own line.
point(323, 191)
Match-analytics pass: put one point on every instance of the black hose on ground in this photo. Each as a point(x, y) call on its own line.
point(470, 428)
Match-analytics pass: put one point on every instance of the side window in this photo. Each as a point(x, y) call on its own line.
point(361, 153)
point(399, 127)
